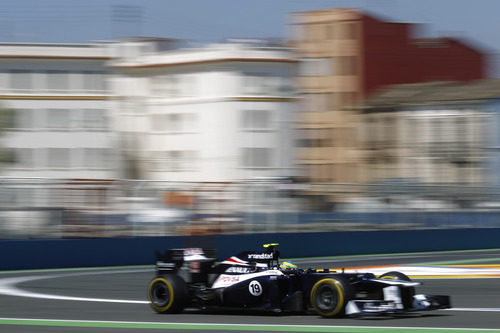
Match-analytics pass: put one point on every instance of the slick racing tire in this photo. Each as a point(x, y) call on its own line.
point(168, 294)
point(329, 296)
point(407, 293)
point(395, 276)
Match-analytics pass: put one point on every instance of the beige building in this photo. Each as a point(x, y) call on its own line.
point(347, 55)
point(328, 43)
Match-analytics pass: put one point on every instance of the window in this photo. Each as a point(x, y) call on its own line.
point(187, 86)
point(9, 118)
point(314, 32)
point(21, 80)
point(348, 30)
point(303, 137)
point(159, 85)
point(58, 157)
point(96, 158)
point(189, 160)
point(94, 81)
point(306, 103)
point(318, 102)
point(309, 137)
point(299, 32)
point(158, 122)
point(57, 81)
point(157, 160)
point(316, 67)
point(322, 102)
point(256, 119)
point(370, 132)
point(255, 84)
point(190, 121)
point(285, 85)
point(172, 86)
point(176, 161)
point(24, 118)
point(411, 132)
point(17, 197)
point(174, 122)
point(256, 157)
point(330, 31)
point(24, 157)
point(94, 119)
point(346, 66)
point(333, 100)
point(58, 118)
point(347, 98)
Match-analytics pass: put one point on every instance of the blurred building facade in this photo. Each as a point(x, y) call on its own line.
point(59, 98)
point(346, 55)
point(218, 113)
point(434, 133)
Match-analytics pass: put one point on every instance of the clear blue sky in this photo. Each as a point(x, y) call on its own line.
point(213, 20)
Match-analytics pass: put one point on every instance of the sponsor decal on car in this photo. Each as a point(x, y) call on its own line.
point(260, 256)
point(193, 251)
point(238, 269)
point(225, 280)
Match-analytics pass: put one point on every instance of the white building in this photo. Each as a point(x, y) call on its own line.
point(435, 132)
point(218, 113)
point(60, 99)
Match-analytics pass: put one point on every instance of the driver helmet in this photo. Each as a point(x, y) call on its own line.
point(288, 265)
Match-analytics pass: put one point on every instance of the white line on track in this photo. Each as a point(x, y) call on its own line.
point(416, 271)
point(474, 309)
point(8, 287)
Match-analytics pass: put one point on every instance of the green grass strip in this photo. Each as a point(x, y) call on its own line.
point(231, 327)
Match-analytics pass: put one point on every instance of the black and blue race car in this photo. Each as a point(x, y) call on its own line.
point(194, 278)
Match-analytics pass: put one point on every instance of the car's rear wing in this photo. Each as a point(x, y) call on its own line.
point(171, 260)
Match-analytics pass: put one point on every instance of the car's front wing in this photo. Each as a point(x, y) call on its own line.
point(393, 306)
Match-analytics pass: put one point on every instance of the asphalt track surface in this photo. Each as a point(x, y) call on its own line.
point(114, 300)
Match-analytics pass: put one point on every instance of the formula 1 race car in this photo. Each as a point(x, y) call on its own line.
point(256, 280)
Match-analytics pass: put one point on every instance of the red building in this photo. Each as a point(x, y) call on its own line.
point(391, 56)
point(347, 55)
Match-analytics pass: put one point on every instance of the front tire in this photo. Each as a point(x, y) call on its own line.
point(407, 293)
point(168, 294)
point(329, 297)
point(395, 276)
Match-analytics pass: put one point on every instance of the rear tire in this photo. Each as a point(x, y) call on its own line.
point(168, 294)
point(329, 297)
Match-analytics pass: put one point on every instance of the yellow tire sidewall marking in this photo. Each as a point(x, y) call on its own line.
point(334, 283)
point(170, 291)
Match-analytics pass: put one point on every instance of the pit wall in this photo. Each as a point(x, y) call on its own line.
point(62, 253)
